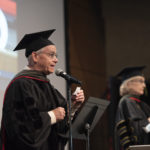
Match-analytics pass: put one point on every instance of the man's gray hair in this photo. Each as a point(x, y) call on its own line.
point(30, 59)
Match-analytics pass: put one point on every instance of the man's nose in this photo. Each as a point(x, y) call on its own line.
point(55, 59)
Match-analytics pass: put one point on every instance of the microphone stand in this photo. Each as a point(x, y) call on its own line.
point(87, 128)
point(70, 123)
point(70, 80)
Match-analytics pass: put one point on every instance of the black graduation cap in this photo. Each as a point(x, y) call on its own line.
point(129, 72)
point(34, 41)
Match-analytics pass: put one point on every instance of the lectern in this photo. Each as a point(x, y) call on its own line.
point(87, 118)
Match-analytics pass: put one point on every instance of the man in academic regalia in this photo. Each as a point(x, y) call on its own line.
point(133, 115)
point(34, 112)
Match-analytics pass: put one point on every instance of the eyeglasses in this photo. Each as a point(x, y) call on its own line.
point(138, 80)
point(50, 55)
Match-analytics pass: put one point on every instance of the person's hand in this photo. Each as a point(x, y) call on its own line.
point(78, 98)
point(59, 113)
point(148, 119)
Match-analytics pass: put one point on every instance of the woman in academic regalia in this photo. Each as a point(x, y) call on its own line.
point(133, 115)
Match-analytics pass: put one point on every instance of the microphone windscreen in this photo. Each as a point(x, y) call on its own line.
point(58, 71)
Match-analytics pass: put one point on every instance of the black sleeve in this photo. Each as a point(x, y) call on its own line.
point(22, 118)
point(62, 126)
point(122, 134)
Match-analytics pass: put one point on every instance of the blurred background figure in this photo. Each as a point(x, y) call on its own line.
point(133, 115)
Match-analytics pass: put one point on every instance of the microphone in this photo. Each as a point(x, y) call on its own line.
point(60, 72)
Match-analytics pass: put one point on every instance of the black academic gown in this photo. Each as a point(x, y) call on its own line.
point(26, 124)
point(131, 117)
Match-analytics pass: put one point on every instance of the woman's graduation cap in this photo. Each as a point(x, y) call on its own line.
point(34, 41)
point(129, 72)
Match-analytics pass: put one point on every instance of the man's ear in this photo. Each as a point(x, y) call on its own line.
point(34, 56)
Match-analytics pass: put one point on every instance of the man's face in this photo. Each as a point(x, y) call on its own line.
point(137, 85)
point(47, 59)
